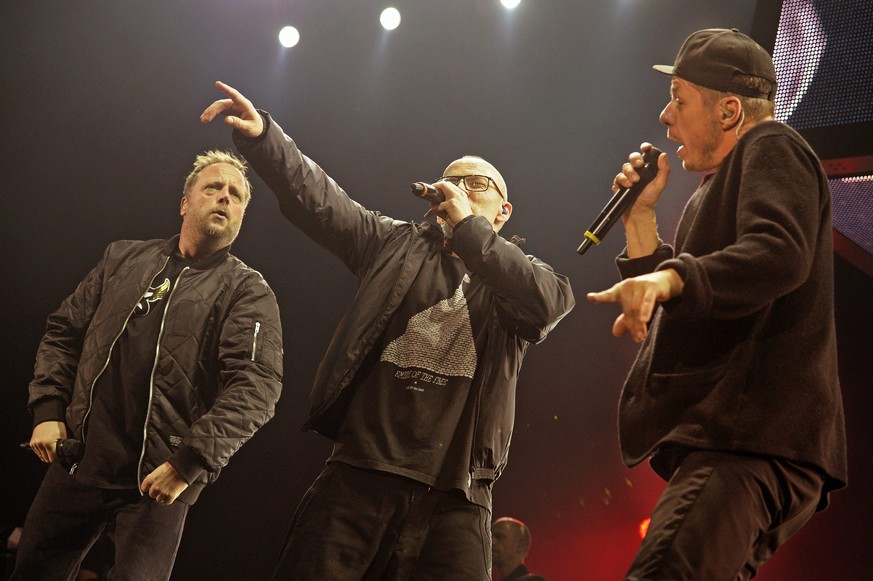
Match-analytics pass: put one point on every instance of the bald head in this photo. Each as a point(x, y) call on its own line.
point(510, 543)
point(484, 187)
point(475, 165)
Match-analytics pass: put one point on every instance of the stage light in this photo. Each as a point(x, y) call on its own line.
point(289, 36)
point(644, 526)
point(857, 179)
point(510, 4)
point(390, 18)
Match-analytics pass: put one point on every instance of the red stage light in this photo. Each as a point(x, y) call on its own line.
point(644, 526)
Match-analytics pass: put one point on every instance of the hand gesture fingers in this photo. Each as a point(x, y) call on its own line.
point(638, 297)
point(238, 110)
point(637, 301)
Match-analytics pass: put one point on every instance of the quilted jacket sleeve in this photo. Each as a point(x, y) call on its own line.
point(250, 364)
point(57, 357)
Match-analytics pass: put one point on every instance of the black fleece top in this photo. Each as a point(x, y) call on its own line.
point(745, 359)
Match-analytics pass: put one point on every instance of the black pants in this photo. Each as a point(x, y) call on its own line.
point(355, 524)
point(722, 515)
point(66, 518)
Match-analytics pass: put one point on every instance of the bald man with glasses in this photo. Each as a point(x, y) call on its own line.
point(417, 387)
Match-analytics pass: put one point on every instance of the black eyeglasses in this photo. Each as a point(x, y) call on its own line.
point(472, 183)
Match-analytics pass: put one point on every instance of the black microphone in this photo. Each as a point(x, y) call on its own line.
point(428, 192)
point(621, 201)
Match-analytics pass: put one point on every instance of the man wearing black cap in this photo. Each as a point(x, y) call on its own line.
point(734, 394)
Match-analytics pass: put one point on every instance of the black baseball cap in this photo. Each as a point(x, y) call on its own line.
point(712, 57)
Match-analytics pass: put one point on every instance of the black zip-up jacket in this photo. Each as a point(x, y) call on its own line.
point(527, 298)
point(218, 362)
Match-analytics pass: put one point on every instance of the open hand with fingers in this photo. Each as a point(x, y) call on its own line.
point(638, 297)
point(238, 111)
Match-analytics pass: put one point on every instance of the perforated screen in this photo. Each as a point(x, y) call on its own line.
point(824, 63)
point(823, 52)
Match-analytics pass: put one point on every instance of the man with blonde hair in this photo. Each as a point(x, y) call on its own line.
point(161, 364)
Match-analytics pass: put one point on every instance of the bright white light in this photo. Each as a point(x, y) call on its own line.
point(289, 36)
point(510, 3)
point(390, 18)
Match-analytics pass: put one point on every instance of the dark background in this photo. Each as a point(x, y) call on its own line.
point(99, 120)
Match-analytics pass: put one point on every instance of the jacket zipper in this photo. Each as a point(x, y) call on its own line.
point(109, 358)
point(476, 441)
point(255, 339)
point(145, 427)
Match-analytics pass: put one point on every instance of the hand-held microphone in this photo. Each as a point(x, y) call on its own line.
point(428, 192)
point(69, 451)
point(621, 201)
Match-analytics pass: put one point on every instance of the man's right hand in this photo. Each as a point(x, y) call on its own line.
point(628, 176)
point(239, 112)
point(44, 439)
point(640, 222)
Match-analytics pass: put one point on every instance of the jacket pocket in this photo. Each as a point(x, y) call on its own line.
point(690, 383)
point(266, 347)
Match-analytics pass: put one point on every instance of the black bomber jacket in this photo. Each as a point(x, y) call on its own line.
point(218, 366)
point(527, 297)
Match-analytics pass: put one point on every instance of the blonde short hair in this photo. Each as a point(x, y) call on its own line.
point(213, 157)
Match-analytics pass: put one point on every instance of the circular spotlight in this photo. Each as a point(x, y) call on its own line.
point(289, 36)
point(510, 3)
point(390, 18)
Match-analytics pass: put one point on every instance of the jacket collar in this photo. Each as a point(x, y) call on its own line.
point(171, 248)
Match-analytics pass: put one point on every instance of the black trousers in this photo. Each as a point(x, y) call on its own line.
point(722, 515)
point(66, 517)
point(355, 524)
